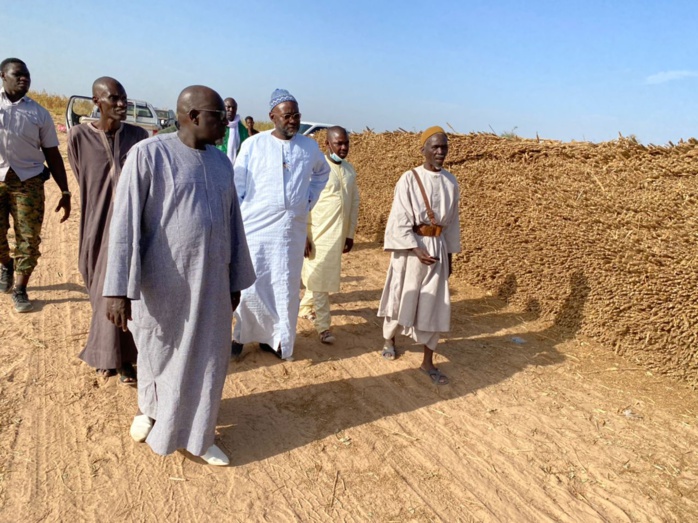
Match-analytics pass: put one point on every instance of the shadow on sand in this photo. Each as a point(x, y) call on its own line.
point(269, 423)
point(66, 287)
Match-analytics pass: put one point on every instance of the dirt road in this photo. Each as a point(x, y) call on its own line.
point(535, 426)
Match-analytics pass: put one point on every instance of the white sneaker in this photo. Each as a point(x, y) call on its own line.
point(215, 456)
point(141, 427)
point(327, 337)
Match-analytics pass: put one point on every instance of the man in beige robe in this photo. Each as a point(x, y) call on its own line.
point(331, 227)
point(422, 233)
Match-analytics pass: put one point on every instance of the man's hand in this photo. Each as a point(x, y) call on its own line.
point(348, 245)
point(119, 311)
point(64, 203)
point(308, 248)
point(235, 299)
point(54, 160)
point(423, 256)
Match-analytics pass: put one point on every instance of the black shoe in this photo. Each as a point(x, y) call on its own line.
point(236, 349)
point(21, 300)
point(267, 348)
point(7, 276)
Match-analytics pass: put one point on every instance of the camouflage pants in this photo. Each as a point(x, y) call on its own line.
point(24, 201)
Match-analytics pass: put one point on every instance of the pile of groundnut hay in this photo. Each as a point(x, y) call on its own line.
point(601, 238)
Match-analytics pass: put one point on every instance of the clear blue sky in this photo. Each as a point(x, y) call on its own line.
point(564, 69)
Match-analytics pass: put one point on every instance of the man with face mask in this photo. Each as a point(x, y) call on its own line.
point(331, 227)
point(27, 139)
point(279, 175)
point(177, 263)
point(235, 133)
point(96, 152)
point(422, 233)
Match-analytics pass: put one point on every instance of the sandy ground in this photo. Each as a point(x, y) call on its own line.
point(553, 429)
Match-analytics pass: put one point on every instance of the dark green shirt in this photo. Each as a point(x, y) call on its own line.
point(244, 135)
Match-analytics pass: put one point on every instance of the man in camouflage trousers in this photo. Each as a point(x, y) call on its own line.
point(27, 139)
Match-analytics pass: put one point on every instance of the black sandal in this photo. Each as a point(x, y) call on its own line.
point(127, 375)
point(236, 350)
point(267, 348)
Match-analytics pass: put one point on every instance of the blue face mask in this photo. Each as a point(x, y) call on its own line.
point(333, 156)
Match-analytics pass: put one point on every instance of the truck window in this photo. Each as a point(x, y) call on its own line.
point(143, 112)
point(81, 108)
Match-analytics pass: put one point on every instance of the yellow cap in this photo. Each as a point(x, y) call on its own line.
point(431, 132)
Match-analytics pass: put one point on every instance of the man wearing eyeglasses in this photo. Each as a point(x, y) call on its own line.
point(279, 176)
point(177, 263)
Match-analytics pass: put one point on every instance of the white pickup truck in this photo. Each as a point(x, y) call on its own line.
point(81, 109)
point(310, 128)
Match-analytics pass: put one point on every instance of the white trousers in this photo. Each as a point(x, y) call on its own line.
point(391, 328)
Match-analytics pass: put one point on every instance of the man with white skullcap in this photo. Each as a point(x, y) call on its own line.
point(279, 176)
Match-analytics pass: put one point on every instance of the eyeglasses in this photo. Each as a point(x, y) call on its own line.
point(221, 114)
point(290, 116)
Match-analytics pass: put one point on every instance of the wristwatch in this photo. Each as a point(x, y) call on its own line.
point(66, 193)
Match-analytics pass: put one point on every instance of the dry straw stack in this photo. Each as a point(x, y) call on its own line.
point(602, 238)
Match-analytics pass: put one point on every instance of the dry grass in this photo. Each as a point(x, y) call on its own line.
point(605, 232)
point(263, 126)
point(54, 103)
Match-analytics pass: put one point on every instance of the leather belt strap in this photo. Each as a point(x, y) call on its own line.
point(424, 229)
point(427, 230)
point(430, 213)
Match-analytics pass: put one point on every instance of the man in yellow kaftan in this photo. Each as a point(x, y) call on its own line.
point(331, 227)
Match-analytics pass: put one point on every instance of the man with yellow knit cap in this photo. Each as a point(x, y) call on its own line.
point(422, 233)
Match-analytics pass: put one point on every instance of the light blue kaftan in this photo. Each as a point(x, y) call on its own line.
point(177, 249)
point(278, 182)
